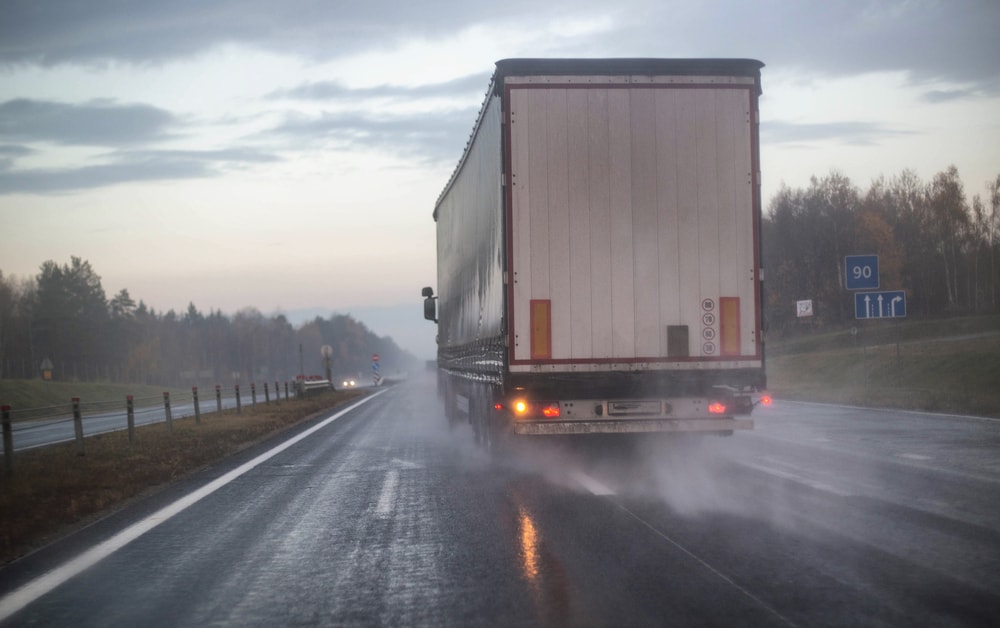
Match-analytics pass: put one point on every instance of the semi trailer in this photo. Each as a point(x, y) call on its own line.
point(598, 251)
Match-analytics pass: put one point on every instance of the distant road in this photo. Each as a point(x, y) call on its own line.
point(822, 515)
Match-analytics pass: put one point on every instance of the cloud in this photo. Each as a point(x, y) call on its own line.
point(129, 167)
point(854, 133)
point(936, 96)
point(11, 150)
point(931, 40)
point(331, 90)
point(96, 123)
point(97, 31)
point(433, 136)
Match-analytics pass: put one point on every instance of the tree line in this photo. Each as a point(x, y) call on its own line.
point(64, 316)
point(932, 242)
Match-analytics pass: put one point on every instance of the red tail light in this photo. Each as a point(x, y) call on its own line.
point(717, 407)
point(765, 400)
point(550, 411)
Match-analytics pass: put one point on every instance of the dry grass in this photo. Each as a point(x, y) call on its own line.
point(54, 490)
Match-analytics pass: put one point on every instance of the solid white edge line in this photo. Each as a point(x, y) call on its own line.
point(943, 415)
point(18, 599)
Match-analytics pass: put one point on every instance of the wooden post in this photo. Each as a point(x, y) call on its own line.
point(253, 393)
point(166, 411)
point(8, 441)
point(130, 412)
point(277, 393)
point(218, 399)
point(267, 394)
point(197, 408)
point(239, 402)
point(286, 390)
point(78, 425)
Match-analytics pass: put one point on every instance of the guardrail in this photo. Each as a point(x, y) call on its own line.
point(42, 426)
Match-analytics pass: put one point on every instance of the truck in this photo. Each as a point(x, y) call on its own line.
point(598, 251)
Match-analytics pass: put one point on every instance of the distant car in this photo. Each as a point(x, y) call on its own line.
point(348, 383)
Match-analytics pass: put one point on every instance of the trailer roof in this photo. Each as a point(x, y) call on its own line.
point(627, 66)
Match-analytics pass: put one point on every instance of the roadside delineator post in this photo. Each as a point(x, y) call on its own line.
point(197, 408)
point(166, 411)
point(8, 440)
point(78, 425)
point(130, 412)
point(218, 399)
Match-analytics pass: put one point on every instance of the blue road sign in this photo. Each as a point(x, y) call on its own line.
point(889, 304)
point(861, 272)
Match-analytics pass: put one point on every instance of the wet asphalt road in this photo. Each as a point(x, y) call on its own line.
point(824, 515)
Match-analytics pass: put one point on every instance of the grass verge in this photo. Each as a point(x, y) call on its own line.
point(53, 490)
point(939, 373)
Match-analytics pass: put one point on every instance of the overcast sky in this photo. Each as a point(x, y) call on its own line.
point(287, 155)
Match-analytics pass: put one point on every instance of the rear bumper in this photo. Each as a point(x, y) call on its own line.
point(631, 426)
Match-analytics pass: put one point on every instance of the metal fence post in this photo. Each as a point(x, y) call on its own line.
point(78, 425)
point(253, 393)
point(166, 411)
point(130, 412)
point(239, 402)
point(197, 408)
point(8, 441)
point(218, 399)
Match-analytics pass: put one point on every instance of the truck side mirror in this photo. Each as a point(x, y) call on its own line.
point(430, 307)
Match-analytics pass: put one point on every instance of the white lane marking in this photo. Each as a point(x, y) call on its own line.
point(388, 496)
point(16, 600)
point(798, 478)
point(708, 566)
point(914, 456)
point(591, 484)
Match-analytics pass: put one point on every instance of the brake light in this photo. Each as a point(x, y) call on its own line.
point(550, 411)
point(765, 400)
point(717, 407)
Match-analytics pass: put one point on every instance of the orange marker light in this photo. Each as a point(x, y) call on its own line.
point(766, 400)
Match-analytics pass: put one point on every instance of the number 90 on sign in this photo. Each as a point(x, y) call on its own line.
point(861, 272)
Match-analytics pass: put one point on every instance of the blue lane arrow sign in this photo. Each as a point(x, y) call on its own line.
point(888, 304)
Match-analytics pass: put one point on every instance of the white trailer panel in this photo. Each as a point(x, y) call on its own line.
point(633, 217)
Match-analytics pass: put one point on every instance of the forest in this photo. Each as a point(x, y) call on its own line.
point(933, 242)
point(64, 315)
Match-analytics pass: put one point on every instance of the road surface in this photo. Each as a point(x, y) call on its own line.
point(823, 515)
